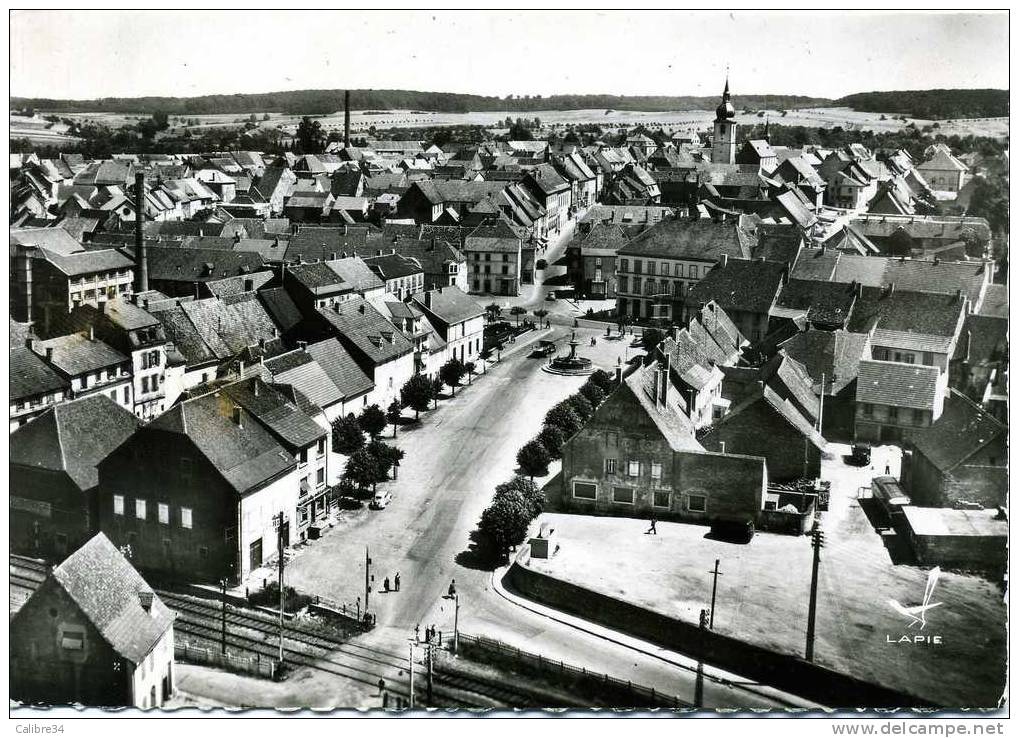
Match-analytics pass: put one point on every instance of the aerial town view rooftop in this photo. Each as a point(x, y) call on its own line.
point(681, 398)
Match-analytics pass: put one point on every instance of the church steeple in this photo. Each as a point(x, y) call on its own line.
point(725, 111)
point(723, 140)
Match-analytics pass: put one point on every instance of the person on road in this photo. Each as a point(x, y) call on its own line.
point(382, 686)
point(452, 588)
point(396, 581)
point(385, 584)
point(653, 530)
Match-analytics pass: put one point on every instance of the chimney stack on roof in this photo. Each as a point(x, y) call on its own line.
point(237, 415)
point(91, 333)
point(145, 599)
point(49, 353)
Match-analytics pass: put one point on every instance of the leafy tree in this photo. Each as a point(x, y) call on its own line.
point(470, 367)
point(437, 386)
point(540, 314)
point(372, 421)
point(534, 459)
point(504, 523)
point(581, 406)
point(364, 468)
point(416, 393)
point(525, 488)
point(519, 132)
point(650, 339)
point(493, 311)
point(451, 373)
point(601, 379)
point(388, 457)
point(347, 435)
point(552, 438)
point(564, 417)
point(395, 412)
point(518, 311)
point(593, 393)
point(309, 136)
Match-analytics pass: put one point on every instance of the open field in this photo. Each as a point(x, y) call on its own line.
point(697, 120)
point(764, 586)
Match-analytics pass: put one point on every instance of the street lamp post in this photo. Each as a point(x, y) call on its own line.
point(222, 593)
point(456, 621)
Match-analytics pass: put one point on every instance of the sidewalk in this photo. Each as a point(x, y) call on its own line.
point(648, 649)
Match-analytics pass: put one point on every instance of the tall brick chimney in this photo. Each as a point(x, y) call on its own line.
point(141, 276)
point(346, 118)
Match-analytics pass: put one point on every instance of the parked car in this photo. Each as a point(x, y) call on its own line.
point(735, 531)
point(381, 500)
point(861, 454)
point(550, 297)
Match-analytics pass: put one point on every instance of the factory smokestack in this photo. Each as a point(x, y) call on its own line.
point(346, 118)
point(140, 250)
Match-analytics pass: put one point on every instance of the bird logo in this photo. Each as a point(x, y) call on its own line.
point(917, 614)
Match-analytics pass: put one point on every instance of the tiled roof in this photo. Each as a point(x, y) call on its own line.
point(995, 303)
point(703, 240)
point(816, 264)
point(280, 307)
point(392, 266)
point(782, 407)
point(298, 369)
point(173, 264)
point(292, 427)
point(356, 273)
point(984, 338)
point(317, 277)
point(30, 375)
point(215, 328)
point(962, 430)
point(73, 437)
point(833, 355)
point(246, 455)
point(105, 587)
point(76, 354)
point(740, 285)
point(375, 338)
point(54, 240)
point(907, 312)
point(341, 368)
point(784, 374)
point(898, 385)
point(604, 239)
point(824, 302)
point(669, 418)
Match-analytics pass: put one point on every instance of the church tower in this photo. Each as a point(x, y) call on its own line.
point(723, 140)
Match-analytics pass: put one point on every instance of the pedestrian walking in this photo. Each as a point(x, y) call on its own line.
point(452, 588)
point(382, 686)
point(888, 470)
point(396, 581)
point(385, 584)
point(653, 530)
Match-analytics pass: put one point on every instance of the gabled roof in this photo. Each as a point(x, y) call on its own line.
point(740, 285)
point(300, 370)
point(73, 437)
point(175, 264)
point(104, 586)
point(896, 384)
point(995, 302)
point(291, 427)
point(832, 355)
point(783, 408)
point(907, 312)
point(676, 428)
point(355, 272)
point(341, 368)
point(449, 304)
point(962, 430)
point(362, 325)
point(604, 239)
point(31, 376)
point(829, 303)
point(702, 240)
point(77, 354)
point(246, 455)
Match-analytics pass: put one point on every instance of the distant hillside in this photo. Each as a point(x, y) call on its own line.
point(318, 102)
point(932, 104)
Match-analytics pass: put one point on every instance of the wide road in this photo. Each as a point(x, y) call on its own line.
point(454, 460)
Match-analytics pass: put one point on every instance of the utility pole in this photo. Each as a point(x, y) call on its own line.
point(820, 409)
point(456, 621)
point(367, 585)
point(430, 656)
point(714, 591)
point(410, 665)
point(817, 541)
point(222, 592)
point(280, 529)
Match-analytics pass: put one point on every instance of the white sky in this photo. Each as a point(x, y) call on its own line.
point(88, 54)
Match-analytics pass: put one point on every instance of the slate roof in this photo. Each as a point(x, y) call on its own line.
point(450, 304)
point(105, 587)
point(740, 285)
point(76, 354)
point(898, 385)
point(73, 437)
point(375, 338)
point(247, 456)
point(341, 368)
point(703, 240)
point(31, 376)
point(961, 431)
